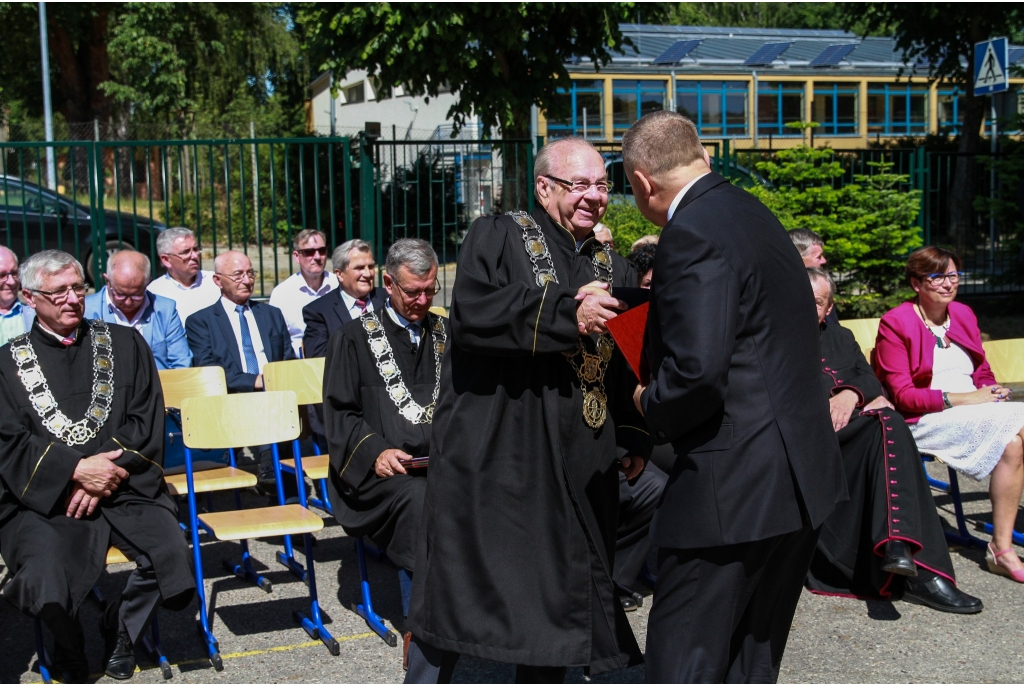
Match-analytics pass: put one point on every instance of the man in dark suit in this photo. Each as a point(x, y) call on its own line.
point(735, 361)
point(239, 336)
point(356, 272)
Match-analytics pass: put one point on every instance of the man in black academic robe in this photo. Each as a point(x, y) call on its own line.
point(886, 540)
point(66, 496)
point(521, 506)
point(374, 490)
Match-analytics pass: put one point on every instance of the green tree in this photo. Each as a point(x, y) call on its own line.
point(626, 223)
point(868, 226)
point(762, 15)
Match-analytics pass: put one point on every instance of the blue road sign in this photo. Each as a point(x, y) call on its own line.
point(991, 67)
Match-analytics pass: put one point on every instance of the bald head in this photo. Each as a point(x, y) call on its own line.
point(573, 161)
point(234, 276)
point(128, 264)
point(127, 277)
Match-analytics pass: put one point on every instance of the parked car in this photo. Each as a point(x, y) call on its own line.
point(33, 218)
point(741, 175)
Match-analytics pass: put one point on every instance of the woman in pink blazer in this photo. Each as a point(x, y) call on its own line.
point(929, 355)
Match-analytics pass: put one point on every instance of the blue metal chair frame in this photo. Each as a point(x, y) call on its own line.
point(963, 535)
point(365, 608)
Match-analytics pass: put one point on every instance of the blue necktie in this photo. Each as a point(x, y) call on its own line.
point(251, 364)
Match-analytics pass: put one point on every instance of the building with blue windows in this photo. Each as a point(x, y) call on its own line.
point(746, 85)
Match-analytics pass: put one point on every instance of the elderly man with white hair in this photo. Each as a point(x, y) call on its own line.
point(185, 282)
point(15, 317)
point(81, 449)
point(124, 301)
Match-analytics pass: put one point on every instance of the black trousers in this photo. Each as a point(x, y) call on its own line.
point(428, 664)
point(637, 504)
point(723, 614)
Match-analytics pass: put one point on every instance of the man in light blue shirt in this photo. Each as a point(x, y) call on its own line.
point(15, 317)
point(124, 301)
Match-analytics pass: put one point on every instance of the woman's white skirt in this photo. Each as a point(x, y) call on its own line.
point(970, 438)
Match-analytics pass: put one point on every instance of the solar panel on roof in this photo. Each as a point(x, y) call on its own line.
point(766, 54)
point(1016, 55)
point(676, 51)
point(832, 55)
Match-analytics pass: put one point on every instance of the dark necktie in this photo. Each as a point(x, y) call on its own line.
point(248, 351)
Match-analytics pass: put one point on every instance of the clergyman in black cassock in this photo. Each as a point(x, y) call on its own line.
point(54, 558)
point(522, 499)
point(732, 345)
point(890, 507)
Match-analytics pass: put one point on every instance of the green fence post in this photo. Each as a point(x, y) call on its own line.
point(529, 176)
point(367, 201)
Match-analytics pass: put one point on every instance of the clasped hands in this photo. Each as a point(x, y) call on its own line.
point(94, 478)
point(595, 307)
point(842, 404)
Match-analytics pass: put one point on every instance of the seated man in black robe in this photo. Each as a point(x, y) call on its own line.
point(380, 386)
point(887, 538)
point(81, 448)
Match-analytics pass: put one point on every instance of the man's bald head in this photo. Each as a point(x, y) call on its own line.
point(128, 264)
point(127, 277)
point(234, 275)
point(553, 157)
point(573, 162)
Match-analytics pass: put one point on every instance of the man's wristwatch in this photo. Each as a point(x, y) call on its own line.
point(946, 404)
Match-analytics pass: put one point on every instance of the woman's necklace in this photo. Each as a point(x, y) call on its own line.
point(941, 341)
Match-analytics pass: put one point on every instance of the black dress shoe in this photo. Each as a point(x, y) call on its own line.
point(932, 590)
point(121, 664)
point(898, 559)
point(628, 603)
point(70, 666)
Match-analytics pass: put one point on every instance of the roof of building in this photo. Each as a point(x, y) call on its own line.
point(724, 50)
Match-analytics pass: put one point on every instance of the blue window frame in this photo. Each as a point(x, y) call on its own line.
point(951, 112)
point(835, 109)
point(778, 104)
point(718, 108)
point(897, 109)
point(633, 99)
point(585, 96)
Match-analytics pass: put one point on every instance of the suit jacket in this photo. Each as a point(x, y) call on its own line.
point(159, 325)
point(732, 344)
point(213, 341)
point(326, 315)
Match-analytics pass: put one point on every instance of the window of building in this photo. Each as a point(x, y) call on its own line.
point(835, 108)
point(633, 99)
point(718, 108)
point(897, 109)
point(586, 111)
point(778, 104)
point(950, 110)
point(354, 94)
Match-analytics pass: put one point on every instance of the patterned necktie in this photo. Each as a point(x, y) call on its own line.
point(251, 364)
point(414, 333)
point(362, 306)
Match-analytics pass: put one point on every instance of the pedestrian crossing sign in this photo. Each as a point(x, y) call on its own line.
point(991, 67)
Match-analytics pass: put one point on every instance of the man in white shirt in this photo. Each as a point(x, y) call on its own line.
point(190, 287)
point(308, 285)
point(15, 317)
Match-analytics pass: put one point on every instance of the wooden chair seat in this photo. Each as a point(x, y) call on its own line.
point(290, 519)
point(210, 480)
point(197, 466)
point(316, 467)
point(116, 556)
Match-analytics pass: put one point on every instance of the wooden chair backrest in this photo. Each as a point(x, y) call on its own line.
point(249, 418)
point(440, 311)
point(1006, 357)
point(201, 381)
point(865, 331)
point(304, 377)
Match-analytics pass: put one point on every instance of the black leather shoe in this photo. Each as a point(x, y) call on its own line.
point(628, 603)
point(932, 590)
point(121, 664)
point(266, 481)
point(70, 666)
point(898, 559)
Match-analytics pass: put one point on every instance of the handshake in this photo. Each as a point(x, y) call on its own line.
point(595, 307)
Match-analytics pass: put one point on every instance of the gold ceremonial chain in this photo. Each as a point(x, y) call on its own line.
point(71, 433)
point(392, 375)
point(536, 249)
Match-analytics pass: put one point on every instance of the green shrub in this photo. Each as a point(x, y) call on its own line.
point(626, 223)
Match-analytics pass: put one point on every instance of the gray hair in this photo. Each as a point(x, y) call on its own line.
point(46, 263)
point(414, 254)
point(816, 274)
point(340, 259)
point(805, 239)
point(165, 239)
point(544, 162)
point(9, 251)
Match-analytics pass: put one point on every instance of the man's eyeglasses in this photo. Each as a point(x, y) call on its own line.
point(126, 298)
point(937, 279)
point(310, 251)
point(580, 187)
point(4, 275)
point(415, 294)
point(237, 276)
point(61, 296)
point(185, 254)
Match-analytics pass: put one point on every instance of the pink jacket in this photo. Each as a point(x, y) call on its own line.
point(905, 352)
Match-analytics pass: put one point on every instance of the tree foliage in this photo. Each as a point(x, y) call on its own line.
point(499, 58)
point(761, 15)
point(626, 223)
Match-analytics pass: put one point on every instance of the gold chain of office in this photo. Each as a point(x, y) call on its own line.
point(388, 368)
point(56, 421)
point(590, 368)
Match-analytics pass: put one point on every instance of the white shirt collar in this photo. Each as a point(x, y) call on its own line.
point(325, 286)
point(229, 306)
point(679, 197)
point(56, 336)
point(195, 284)
point(414, 327)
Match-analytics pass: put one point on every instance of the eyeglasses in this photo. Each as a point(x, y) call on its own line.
point(310, 251)
point(237, 276)
point(4, 275)
point(937, 279)
point(415, 294)
point(61, 296)
point(185, 254)
point(579, 187)
point(127, 298)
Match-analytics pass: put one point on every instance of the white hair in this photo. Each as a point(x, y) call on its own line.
point(47, 263)
point(165, 239)
point(342, 256)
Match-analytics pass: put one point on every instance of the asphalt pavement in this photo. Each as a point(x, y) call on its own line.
point(833, 639)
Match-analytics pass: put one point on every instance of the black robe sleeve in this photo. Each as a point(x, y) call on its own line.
point(35, 470)
point(849, 368)
point(353, 444)
point(498, 310)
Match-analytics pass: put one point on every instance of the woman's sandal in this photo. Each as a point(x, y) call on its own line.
point(991, 556)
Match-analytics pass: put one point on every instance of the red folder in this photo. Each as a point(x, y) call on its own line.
point(627, 329)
